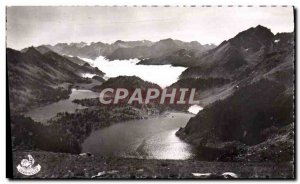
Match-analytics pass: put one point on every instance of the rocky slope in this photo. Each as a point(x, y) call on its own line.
point(261, 99)
point(96, 167)
point(240, 53)
point(36, 78)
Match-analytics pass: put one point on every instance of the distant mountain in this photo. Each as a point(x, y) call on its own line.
point(80, 50)
point(168, 51)
point(121, 50)
point(35, 78)
point(129, 53)
point(181, 57)
point(94, 50)
point(131, 44)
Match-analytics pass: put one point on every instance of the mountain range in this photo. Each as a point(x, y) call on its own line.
point(124, 49)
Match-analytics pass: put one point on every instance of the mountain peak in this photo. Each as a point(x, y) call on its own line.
point(259, 30)
point(79, 45)
point(195, 42)
point(254, 37)
point(97, 44)
point(119, 41)
point(261, 27)
point(166, 40)
point(32, 51)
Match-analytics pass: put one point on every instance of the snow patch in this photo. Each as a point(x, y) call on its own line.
point(201, 174)
point(194, 109)
point(88, 75)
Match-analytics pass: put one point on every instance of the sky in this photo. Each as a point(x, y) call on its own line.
point(27, 26)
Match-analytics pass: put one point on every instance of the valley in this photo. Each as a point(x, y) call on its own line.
point(244, 118)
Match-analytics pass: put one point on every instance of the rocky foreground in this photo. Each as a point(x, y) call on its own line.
point(62, 165)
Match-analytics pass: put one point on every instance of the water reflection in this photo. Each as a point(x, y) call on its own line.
point(42, 114)
point(167, 145)
point(150, 138)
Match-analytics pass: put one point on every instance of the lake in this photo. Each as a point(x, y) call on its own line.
point(152, 138)
point(44, 113)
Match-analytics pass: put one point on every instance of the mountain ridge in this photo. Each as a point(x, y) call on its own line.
point(117, 49)
point(257, 114)
point(35, 78)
